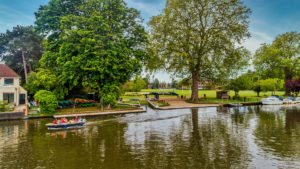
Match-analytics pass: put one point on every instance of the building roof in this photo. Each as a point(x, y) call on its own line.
point(5, 71)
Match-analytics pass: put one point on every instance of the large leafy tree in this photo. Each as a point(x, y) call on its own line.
point(21, 39)
point(102, 47)
point(48, 16)
point(281, 58)
point(198, 38)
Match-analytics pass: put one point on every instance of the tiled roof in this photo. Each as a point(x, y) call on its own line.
point(5, 71)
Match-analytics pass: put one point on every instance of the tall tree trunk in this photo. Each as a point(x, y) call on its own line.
point(288, 76)
point(195, 80)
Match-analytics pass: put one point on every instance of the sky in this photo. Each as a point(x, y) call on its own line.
point(269, 18)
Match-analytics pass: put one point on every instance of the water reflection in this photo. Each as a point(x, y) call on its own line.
point(244, 137)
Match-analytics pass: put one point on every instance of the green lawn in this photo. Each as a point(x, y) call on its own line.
point(251, 96)
point(209, 93)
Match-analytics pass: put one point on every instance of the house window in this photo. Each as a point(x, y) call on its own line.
point(8, 81)
point(8, 97)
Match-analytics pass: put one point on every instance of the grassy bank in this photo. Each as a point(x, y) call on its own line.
point(250, 96)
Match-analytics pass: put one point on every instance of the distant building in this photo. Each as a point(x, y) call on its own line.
point(10, 89)
point(205, 85)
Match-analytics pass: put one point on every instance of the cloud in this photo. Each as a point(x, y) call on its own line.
point(256, 40)
point(11, 17)
point(149, 8)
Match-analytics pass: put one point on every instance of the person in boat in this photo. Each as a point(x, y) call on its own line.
point(76, 118)
point(63, 120)
point(54, 122)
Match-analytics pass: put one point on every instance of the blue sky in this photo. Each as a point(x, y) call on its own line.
point(269, 17)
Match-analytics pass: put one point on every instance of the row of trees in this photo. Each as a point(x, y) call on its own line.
point(100, 45)
point(276, 64)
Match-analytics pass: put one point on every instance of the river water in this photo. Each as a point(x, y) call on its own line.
point(245, 137)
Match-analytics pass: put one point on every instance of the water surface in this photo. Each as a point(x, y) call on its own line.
point(246, 137)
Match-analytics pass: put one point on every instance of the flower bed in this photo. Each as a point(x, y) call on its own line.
point(77, 103)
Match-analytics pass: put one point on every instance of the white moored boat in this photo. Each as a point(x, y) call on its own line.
point(271, 101)
point(298, 100)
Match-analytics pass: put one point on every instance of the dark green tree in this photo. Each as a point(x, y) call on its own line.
point(102, 48)
point(21, 39)
point(48, 16)
point(155, 84)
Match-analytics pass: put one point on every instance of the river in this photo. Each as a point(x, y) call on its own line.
point(245, 137)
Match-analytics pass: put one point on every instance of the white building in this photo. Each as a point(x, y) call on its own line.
point(10, 90)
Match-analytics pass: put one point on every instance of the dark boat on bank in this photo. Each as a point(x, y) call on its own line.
point(65, 126)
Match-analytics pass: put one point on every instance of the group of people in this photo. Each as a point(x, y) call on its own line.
point(64, 120)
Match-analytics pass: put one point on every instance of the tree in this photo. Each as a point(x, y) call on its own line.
point(44, 79)
point(273, 85)
point(281, 58)
point(243, 82)
point(47, 101)
point(21, 39)
point(198, 38)
point(155, 84)
point(147, 80)
point(48, 17)
point(102, 47)
point(135, 85)
point(174, 83)
point(257, 88)
point(184, 82)
point(293, 86)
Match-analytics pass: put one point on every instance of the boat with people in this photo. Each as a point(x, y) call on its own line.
point(64, 124)
point(272, 100)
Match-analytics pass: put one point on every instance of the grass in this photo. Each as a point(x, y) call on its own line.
point(251, 96)
point(142, 102)
point(160, 103)
point(212, 93)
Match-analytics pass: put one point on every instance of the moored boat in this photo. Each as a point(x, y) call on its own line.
point(289, 100)
point(271, 101)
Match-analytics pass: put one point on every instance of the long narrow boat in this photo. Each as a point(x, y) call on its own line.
point(65, 126)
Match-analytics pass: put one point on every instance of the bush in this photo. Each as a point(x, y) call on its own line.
point(47, 101)
point(109, 99)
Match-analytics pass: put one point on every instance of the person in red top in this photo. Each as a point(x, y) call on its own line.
point(54, 122)
point(63, 120)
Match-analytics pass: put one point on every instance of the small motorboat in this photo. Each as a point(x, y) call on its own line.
point(298, 100)
point(289, 100)
point(272, 100)
point(72, 124)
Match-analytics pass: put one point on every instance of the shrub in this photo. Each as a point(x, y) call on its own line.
point(47, 101)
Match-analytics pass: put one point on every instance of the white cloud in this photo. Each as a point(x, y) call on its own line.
point(256, 40)
point(150, 9)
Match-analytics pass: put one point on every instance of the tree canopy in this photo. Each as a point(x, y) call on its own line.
point(279, 59)
point(102, 47)
point(243, 82)
point(12, 43)
point(48, 16)
point(199, 39)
